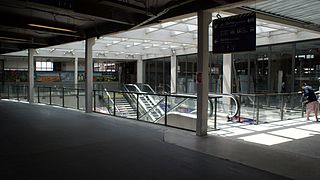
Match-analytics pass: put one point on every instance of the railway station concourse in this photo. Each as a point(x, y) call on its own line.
point(142, 89)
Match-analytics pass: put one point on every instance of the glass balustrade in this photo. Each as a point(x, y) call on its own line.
point(264, 108)
point(167, 109)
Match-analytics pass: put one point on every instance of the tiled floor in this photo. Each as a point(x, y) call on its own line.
point(44, 142)
point(269, 134)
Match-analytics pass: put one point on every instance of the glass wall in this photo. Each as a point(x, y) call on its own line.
point(307, 64)
point(186, 74)
point(157, 74)
point(215, 73)
point(281, 71)
point(251, 71)
point(270, 67)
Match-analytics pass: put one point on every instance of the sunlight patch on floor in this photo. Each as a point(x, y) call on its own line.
point(265, 139)
point(311, 127)
point(238, 131)
point(261, 127)
point(293, 133)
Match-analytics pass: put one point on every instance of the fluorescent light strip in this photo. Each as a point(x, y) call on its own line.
point(13, 39)
point(50, 27)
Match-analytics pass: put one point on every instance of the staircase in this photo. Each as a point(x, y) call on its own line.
point(154, 113)
point(125, 108)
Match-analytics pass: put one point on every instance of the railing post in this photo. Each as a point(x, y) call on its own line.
point(77, 98)
point(8, 91)
point(50, 99)
point(282, 106)
point(137, 106)
point(18, 93)
point(108, 103)
point(215, 113)
point(38, 94)
point(62, 96)
point(114, 103)
point(94, 101)
point(165, 110)
point(257, 109)
point(303, 107)
point(239, 113)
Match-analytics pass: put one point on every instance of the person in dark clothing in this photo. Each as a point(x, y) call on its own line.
point(310, 99)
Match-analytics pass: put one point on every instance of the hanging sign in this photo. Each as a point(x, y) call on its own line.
point(234, 33)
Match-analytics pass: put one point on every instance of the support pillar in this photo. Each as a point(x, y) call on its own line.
point(76, 72)
point(173, 80)
point(31, 75)
point(89, 74)
point(227, 70)
point(140, 71)
point(204, 19)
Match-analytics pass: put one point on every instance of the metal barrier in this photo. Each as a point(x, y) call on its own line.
point(61, 96)
point(177, 110)
point(268, 107)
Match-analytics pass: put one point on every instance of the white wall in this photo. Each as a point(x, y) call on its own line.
point(16, 63)
point(67, 66)
point(22, 63)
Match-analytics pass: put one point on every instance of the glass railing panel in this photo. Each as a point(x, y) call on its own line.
point(264, 108)
point(70, 97)
point(81, 99)
point(225, 107)
point(292, 106)
point(248, 105)
point(56, 96)
point(153, 108)
point(269, 108)
point(43, 95)
point(21, 95)
point(103, 102)
point(221, 110)
point(3, 91)
point(182, 112)
point(125, 104)
point(13, 91)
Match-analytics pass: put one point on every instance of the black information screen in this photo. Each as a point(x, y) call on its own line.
point(234, 33)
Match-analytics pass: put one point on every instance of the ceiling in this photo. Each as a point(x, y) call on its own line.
point(160, 40)
point(303, 14)
point(41, 23)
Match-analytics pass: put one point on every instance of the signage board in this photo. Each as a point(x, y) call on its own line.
point(234, 33)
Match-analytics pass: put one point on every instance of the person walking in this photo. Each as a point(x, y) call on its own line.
point(310, 99)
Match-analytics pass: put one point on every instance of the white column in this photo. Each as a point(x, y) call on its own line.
point(227, 70)
point(76, 72)
point(204, 19)
point(89, 75)
point(31, 75)
point(173, 80)
point(140, 71)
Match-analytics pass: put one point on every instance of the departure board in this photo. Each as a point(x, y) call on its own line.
point(234, 33)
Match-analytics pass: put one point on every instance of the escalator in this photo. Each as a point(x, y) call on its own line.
point(148, 107)
point(180, 109)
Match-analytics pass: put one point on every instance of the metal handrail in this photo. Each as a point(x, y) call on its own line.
point(265, 94)
point(172, 109)
point(107, 93)
point(136, 98)
point(149, 100)
point(231, 96)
